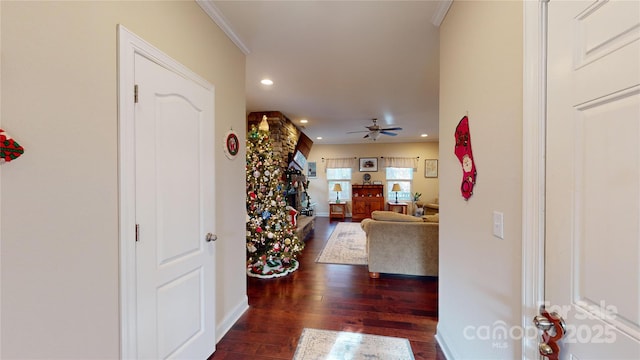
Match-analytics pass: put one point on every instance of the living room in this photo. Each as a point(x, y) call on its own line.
point(426, 185)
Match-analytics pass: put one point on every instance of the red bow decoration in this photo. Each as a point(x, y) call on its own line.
point(9, 148)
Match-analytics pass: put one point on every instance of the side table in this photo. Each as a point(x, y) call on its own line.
point(397, 207)
point(337, 210)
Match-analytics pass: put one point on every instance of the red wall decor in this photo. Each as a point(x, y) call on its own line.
point(9, 148)
point(465, 155)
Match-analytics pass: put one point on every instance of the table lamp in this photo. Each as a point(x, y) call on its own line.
point(337, 188)
point(396, 188)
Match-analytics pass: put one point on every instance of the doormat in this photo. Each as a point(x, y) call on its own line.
point(340, 345)
point(346, 245)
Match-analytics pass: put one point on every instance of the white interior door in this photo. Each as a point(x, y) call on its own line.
point(174, 204)
point(592, 249)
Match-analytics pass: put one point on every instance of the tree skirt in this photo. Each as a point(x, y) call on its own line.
point(273, 270)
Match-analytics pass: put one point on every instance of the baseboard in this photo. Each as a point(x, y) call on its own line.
point(232, 318)
point(448, 354)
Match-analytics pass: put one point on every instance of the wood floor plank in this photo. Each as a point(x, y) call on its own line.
point(332, 297)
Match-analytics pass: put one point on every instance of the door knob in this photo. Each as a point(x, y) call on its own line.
point(210, 237)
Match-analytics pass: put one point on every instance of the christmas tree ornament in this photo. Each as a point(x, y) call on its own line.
point(264, 124)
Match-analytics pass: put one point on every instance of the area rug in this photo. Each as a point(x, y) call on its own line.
point(317, 344)
point(346, 245)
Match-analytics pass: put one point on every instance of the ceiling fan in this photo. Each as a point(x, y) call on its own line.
point(375, 130)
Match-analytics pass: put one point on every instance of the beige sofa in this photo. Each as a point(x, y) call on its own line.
point(401, 244)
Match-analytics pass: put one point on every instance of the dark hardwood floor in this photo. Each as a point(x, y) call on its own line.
point(332, 297)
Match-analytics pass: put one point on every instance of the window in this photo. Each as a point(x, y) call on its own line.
point(340, 176)
point(403, 177)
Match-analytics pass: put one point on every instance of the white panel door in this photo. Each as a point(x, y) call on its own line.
point(174, 161)
point(592, 249)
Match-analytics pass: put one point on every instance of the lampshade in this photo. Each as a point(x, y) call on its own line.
point(264, 124)
point(337, 187)
point(396, 187)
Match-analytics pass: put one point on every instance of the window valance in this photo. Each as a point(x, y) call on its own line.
point(340, 163)
point(400, 162)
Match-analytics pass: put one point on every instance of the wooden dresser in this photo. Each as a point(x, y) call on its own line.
point(365, 199)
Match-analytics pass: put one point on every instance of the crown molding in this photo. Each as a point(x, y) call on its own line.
point(441, 12)
point(216, 15)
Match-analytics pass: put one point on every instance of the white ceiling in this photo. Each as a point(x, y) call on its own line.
point(340, 63)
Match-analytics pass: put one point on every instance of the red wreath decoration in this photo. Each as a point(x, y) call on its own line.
point(9, 148)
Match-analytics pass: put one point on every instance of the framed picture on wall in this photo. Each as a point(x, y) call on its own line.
point(312, 170)
point(369, 164)
point(431, 168)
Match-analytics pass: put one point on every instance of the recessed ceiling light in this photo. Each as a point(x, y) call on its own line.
point(266, 82)
point(424, 135)
point(319, 138)
point(304, 121)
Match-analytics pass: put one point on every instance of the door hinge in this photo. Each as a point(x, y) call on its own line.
point(137, 232)
point(135, 93)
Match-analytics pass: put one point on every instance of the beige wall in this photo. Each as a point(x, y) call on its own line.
point(318, 187)
point(480, 275)
point(59, 205)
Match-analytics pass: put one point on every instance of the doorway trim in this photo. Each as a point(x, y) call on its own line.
point(130, 45)
point(533, 166)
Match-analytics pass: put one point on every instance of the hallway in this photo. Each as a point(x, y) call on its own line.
point(332, 297)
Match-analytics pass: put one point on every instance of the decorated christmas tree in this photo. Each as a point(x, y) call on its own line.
point(272, 244)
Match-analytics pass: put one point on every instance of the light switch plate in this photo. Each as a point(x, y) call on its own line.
point(498, 224)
